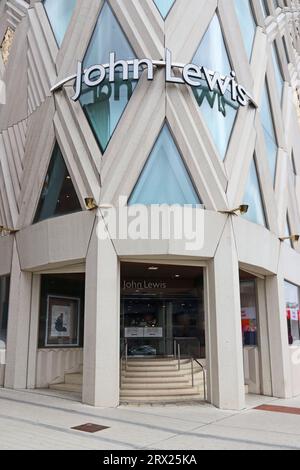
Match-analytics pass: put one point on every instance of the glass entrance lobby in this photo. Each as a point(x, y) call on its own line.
point(162, 311)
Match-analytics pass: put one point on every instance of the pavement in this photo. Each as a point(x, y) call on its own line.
point(36, 420)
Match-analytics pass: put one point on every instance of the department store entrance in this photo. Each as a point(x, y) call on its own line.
point(162, 311)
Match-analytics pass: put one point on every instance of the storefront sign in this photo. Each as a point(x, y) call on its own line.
point(144, 285)
point(190, 74)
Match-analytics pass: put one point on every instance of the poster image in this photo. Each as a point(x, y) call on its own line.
point(62, 327)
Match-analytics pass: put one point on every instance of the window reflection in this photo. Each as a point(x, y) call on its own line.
point(105, 104)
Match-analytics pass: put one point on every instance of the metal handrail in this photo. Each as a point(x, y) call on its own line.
point(124, 356)
point(203, 372)
point(179, 356)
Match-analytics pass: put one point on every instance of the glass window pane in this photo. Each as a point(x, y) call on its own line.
point(58, 195)
point(253, 198)
point(249, 312)
point(164, 179)
point(219, 112)
point(247, 24)
point(164, 6)
point(105, 104)
point(293, 313)
point(59, 14)
point(4, 304)
point(212, 52)
point(269, 131)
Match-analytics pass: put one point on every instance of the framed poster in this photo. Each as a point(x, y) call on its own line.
point(62, 322)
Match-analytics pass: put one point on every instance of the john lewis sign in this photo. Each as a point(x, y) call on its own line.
point(190, 74)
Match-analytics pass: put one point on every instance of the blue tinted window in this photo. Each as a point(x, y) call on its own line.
point(59, 13)
point(164, 6)
point(164, 179)
point(247, 23)
point(58, 195)
point(219, 111)
point(253, 198)
point(269, 131)
point(105, 104)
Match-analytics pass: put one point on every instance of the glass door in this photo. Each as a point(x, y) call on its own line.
point(151, 326)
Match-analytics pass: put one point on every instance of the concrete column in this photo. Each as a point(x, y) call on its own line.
point(101, 362)
point(226, 388)
point(278, 336)
point(33, 332)
point(18, 325)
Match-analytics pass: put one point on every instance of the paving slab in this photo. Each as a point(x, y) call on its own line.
point(42, 420)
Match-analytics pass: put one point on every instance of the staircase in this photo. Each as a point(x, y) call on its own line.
point(146, 381)
point(159, 381)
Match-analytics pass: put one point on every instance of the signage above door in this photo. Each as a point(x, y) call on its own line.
point(190, 74)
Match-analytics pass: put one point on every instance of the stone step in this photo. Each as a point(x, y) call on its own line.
point(160, 392)
point(76, 379)
point(185, 370)
point(156, 362)
point(156, 386)
point(159, 374)
point(162, 400)
point(154, 380)
point(192, 399)
point(66, 387)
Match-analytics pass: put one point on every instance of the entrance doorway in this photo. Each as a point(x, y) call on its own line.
point(250, 332)
point(162, 311)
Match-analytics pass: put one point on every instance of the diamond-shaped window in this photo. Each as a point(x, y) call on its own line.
point(218, 111)
point(59, 14)
point(269, 131)
point(253, 198)
point(58, 196)
point(165, 178)
point(104, 104)
point(164, 6)
point(245, 16)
